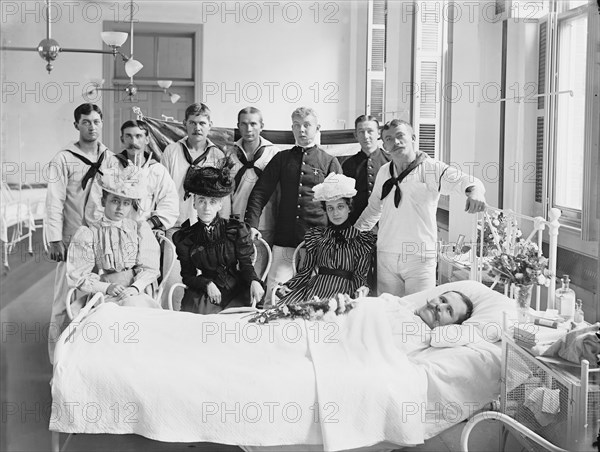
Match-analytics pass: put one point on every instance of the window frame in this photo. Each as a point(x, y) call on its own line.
point(578, 220)
point(375, 75)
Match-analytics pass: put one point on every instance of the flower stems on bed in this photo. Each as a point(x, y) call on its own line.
point(315, 309)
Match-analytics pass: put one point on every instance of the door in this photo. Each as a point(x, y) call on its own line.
point(168, 52)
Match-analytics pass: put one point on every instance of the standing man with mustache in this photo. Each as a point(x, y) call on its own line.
point(160, 207)
point(70, 176)
point(404, 201)
point(193, 150)
point(251, 155)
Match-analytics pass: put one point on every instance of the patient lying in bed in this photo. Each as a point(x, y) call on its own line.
point(417, 329)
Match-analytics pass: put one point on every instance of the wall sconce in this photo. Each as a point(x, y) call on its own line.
point(49, 48)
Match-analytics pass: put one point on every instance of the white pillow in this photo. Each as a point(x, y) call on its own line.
point(488, 306)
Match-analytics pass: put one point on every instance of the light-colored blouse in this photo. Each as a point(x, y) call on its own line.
point(108, 247)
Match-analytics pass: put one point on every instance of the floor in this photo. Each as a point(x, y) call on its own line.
point(25, 300)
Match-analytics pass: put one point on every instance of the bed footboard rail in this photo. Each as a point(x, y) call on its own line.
point(495, 415)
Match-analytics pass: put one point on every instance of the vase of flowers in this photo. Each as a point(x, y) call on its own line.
point(522, 294)
point(498, 233)
point(523, 268)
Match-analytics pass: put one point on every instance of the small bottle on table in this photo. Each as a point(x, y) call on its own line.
point(565, 300)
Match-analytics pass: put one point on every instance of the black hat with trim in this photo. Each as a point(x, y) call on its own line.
point(211, 181)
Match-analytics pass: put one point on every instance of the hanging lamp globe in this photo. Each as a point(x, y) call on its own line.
point(48, 49)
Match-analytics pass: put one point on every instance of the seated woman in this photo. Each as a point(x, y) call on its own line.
point(116, 255)
point(339, 253)
point(215, 254)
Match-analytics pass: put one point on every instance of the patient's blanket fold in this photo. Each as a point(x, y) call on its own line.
point(368, 391)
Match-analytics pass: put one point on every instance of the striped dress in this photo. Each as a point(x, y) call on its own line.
point(340, 256)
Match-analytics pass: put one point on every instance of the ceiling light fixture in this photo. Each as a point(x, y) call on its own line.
point(131, 89)
point(49, 48)
point(131, 68)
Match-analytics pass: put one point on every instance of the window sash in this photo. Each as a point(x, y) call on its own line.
point(554, 137)
point(569, 117)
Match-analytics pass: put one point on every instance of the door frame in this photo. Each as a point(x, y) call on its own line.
point(108, 62)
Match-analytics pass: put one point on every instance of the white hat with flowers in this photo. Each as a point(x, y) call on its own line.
point(126, 182)
point(335, 186)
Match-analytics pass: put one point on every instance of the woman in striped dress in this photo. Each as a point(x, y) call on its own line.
point(338, 256)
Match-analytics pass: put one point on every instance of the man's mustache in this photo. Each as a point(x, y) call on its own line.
point(134, 146)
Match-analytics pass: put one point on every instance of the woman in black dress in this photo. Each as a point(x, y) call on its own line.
point(215, 254)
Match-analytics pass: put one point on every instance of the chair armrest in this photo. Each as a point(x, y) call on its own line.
point(171, 290)
point(266, 246)
point(167, 243)
point(295, 256)
point(69, 299)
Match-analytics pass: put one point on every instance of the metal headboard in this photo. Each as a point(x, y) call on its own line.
point(536, 235)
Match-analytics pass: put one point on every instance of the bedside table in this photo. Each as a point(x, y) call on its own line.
point(558, 402)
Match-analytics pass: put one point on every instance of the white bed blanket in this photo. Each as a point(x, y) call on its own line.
point(378, 394)
point(180, 377)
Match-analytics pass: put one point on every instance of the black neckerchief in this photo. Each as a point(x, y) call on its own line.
point(199, 159)
point(395, 181)
point(248, 164)
point(123, 158)
point(94, 166)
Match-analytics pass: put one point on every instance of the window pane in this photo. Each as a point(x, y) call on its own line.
point(570, 124)
point(175, 57)
point(566, 5)
point(144, 52)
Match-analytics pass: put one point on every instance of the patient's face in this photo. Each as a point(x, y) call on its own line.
point(445, 309)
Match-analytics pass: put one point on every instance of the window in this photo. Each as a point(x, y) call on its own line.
point(376, 58)
point(431, 76)
point(565, 119)
point(166, 57)
point(169, 51)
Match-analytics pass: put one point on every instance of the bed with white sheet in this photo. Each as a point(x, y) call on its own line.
point(289, 385)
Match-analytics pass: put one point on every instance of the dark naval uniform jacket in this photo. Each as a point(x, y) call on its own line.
point(297, 171)
point(364, 169)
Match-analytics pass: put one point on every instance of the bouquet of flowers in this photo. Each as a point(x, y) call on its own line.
point(315, 309)
point(523, 266)
point(500, 234)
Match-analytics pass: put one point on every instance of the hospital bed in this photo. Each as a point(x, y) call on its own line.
point(294, 385)
point(18, 215)
point(181, 377)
